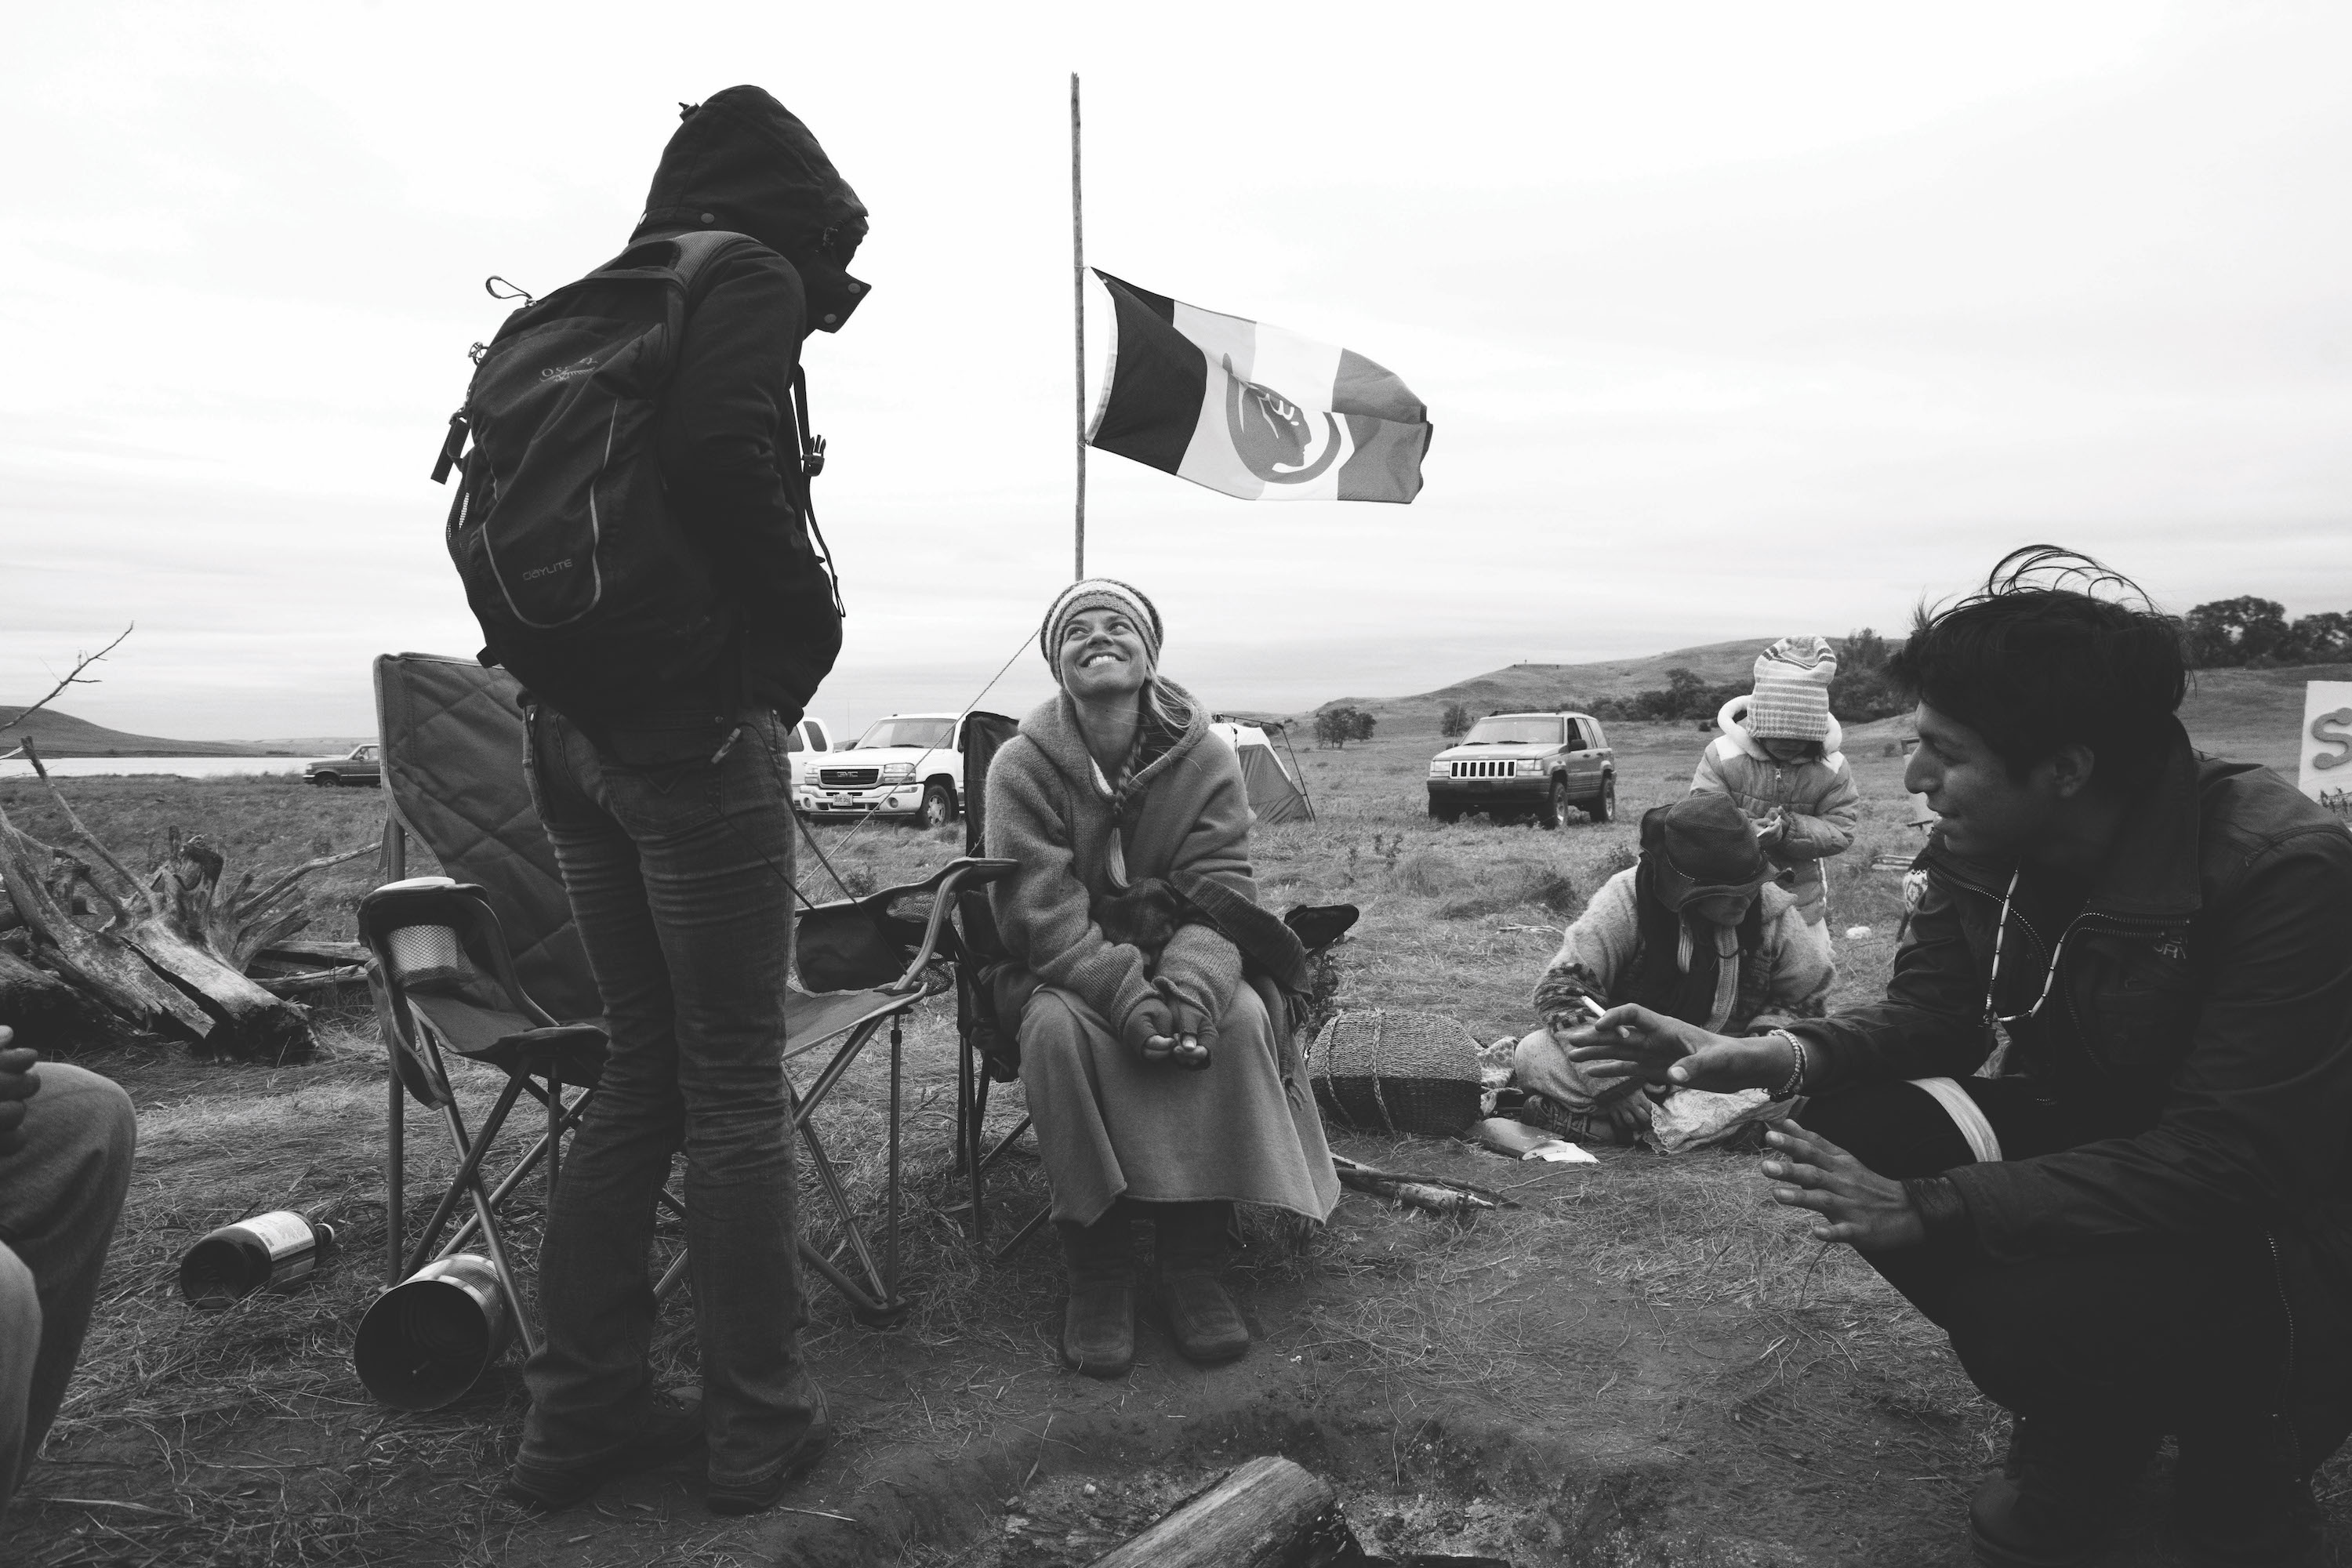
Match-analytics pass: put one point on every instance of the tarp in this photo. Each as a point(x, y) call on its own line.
point(1274, 795)
point(453, 744)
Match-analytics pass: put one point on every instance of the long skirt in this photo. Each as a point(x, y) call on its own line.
point(1111, 1124)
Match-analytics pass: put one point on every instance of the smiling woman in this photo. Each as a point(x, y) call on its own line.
point(1114, 783)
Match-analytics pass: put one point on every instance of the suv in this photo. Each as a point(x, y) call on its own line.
point(802, 741)
point(1537, 764)
point(364, 766)
point(903, 766)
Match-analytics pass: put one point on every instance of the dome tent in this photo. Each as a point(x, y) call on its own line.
point(1274, 795)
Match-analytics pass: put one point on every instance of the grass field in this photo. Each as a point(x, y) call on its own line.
point(1645, 1363)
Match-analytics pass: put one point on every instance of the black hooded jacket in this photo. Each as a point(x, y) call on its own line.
point(728, 444)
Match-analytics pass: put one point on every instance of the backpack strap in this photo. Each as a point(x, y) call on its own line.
point(810, 465)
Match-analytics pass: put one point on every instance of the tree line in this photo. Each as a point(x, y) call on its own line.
point(2248, 631)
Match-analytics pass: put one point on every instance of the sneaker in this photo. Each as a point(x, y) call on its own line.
point(2054, 1503)
point(731, 1501)
point(670, 1430)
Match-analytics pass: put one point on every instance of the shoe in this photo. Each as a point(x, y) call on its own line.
point(1099, 1319)
point(2243, 1500)
point(729, 1500)
point(2054, 1503)
point(1201, 1317)
point(670, 1430)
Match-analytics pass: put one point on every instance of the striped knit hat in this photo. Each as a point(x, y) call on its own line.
point(1792, 691)
point(1098, 593)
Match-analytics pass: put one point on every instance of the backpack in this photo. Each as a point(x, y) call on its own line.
point(587, 588)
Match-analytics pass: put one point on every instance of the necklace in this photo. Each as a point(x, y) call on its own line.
point(1999, 939)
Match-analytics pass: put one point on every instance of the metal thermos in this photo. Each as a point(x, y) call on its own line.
point(271, 1251)
point(427, 1339)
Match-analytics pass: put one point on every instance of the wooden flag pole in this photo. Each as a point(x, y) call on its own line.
point(1079, 318)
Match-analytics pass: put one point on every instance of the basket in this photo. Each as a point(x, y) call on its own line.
point(1396, 1072)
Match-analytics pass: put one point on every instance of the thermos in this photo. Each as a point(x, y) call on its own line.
point(271, 1251)
point(427, 1339)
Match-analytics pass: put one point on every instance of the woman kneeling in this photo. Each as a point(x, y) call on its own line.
point(1115, 782)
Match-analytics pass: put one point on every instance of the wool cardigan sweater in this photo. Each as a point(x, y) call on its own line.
point(1051, 809)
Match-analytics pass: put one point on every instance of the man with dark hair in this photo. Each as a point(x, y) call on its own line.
point(664, 789)
point(2140, 1221)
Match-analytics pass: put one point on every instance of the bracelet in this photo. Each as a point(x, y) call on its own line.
point(1796, 1084)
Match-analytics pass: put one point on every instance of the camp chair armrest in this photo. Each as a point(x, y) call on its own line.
point(943, 884)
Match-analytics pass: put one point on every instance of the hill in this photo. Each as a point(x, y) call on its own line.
point(2249, 714)
point(63, 735)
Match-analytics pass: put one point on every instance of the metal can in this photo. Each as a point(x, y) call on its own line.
point(273, 1251)
point(427, 1339)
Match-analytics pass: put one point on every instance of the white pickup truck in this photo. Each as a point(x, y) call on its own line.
point(907, 766)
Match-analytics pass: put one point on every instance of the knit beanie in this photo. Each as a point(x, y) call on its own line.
point(1792, 691)
point(1097, 594)
point(1703, 844)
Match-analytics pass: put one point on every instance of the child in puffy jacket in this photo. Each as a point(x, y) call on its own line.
point(1777, 759)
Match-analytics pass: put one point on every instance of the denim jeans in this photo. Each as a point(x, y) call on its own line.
point(60, 1191)
point(679, 876)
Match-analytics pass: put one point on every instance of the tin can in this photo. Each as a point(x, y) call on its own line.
point(427, 1339)
point(273, 1251)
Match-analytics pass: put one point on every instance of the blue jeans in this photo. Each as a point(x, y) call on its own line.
point(59, 1193)
point(679, 876)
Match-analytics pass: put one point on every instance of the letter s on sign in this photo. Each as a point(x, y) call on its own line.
point(2333, 730)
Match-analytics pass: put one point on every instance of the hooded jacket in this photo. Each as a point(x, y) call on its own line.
point(1817, 800)
point(2199, 1010)
point(728, 444)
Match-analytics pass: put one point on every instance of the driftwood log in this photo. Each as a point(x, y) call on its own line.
point(1267, 1513)
point(166, 954)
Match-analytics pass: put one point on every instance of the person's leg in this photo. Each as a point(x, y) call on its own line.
point(1057, 1077)
point(716, 850)
point(20, 1347)
point(589, 1383)
point(60, 1191)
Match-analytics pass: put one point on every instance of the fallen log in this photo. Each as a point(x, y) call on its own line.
point(1265, 1513)
point(98, 963)
point(50, 1015)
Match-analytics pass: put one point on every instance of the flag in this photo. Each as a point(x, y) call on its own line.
point(1252, 410)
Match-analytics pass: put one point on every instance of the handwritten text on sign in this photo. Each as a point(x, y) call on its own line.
point(2327, 743)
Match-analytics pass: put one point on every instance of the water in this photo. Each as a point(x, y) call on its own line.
point(182, 767)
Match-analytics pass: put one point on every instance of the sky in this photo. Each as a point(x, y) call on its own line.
point(1732, 320)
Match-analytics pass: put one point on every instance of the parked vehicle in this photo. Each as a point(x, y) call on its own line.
point(1534, 765)
point(805, 741)
point(905, 766)
point(363, 765)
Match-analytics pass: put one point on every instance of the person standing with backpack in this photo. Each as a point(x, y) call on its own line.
point(634, 532)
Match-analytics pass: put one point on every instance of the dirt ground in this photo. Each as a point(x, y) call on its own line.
point(1643, 1363)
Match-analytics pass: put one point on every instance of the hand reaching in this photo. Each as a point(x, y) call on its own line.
point(1631, 1041)
point(1858, 1207)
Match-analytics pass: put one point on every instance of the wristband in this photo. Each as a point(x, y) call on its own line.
point(1796, 1081)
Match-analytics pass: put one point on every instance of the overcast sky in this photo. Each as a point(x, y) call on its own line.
point(1731, 319)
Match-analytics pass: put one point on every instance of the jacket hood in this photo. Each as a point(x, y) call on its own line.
point(1732, 720)
point(1052, 725)
point(741, 160)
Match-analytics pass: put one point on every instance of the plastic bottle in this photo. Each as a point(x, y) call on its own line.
point(274, 1251)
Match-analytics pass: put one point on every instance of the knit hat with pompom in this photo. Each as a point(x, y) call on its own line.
point(1792, 691)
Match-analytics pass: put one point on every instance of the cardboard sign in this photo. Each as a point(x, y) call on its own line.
point(2326, 744)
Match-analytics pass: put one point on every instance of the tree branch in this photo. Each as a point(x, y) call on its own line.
point(242, 907)
point(73, 677)
point(81, 832)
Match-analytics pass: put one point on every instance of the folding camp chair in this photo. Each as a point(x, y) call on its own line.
point(452, 737)
point(988, 1048)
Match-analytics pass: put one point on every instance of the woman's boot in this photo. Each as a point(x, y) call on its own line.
point(1099, 1320)
point(1202, 1319)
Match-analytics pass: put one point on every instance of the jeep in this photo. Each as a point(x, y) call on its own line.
point(1533, 764)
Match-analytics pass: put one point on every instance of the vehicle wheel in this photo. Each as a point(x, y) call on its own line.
point(1444, 813)
point(939, 806)
point(326, 781)
point(1605, 805)
point(1554, 809)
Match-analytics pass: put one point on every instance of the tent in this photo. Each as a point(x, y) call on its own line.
point(1274, 795)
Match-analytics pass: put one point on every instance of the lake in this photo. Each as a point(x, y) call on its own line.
point(182, 767)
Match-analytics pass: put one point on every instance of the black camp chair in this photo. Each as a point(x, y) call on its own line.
point(988, 1048)
point(453, 744)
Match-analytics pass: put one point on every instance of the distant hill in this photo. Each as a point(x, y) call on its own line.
point(59, 735)
point(2248, 714)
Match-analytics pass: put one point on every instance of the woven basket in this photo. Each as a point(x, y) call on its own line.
point(1396, 1072)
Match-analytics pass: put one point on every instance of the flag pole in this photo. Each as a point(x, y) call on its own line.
point(1078, 318)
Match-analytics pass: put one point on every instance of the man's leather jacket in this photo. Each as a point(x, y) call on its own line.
point(2199, 1017)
